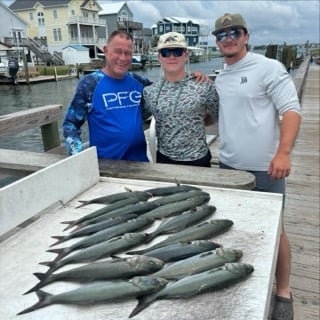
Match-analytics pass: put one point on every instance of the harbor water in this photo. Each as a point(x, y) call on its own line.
point(22, 97)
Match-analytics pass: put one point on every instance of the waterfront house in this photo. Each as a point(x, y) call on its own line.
point(190, 28)
point(118, 16)
point(55, 24)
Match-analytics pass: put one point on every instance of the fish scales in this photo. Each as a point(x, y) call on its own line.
point(97, 251)
point(119, 268)
point(183, 221)
point(202, 231)
point(104, 291)
point(198, 283)
point(175, 208)
point(199, 263)
point(93, 228)
point(103, 235)
point(111, 198)
point(106, 209)
point(181, 250)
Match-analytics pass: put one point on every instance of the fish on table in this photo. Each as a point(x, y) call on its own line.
point(198, 283)
point(199, 263)
point(98, 292)
point(202, 231)
point(117, 268)
point(182, 250)
point(100, 250)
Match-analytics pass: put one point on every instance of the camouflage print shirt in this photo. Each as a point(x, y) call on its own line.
point(179, 109)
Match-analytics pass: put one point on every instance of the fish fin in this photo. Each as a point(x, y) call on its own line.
point(150, 236)
point(59, 251)
point(143, 302)
point(50, 264)
point(44, 300)
point(42, 277)
point(136, 252)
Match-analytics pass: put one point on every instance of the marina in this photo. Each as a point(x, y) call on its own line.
point(301, 216)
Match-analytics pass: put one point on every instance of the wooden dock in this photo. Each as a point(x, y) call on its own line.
point(301, 216)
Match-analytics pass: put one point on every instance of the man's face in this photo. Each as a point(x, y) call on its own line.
point(118, 55)
point(232, 42)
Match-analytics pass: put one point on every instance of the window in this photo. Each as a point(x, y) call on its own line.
point(57, 34)
point(55, 14)
point(30, 16)
point(73, 12)
point(40, 19)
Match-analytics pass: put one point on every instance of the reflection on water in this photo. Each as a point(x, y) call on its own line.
point(22, 97)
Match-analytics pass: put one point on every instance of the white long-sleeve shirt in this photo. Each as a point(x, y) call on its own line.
point(253, 92)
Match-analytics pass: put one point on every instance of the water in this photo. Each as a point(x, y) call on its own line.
point(23, 97)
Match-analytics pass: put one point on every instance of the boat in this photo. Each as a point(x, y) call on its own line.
point(139, 61)
point(10, 65)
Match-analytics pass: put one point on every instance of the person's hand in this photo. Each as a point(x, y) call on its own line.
point(200, 77)
point(280, 166)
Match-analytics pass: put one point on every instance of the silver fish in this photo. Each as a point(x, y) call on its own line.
point(104, 291)
point(182, 221)
point(100, 250)
point(165, 191)
point(182, 250)
point(202, 231)
point(103, 235)
point(198, 283)
point(93, 228)
point(118, 268)
point(199, 263)
point(175, 208)
point(111, 198)
point(107, 208)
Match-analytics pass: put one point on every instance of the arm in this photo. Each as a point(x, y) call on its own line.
point(280, 165)
point(75, 116)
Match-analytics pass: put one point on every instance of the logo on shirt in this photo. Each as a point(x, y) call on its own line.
point(122, 99)
point(243, 80)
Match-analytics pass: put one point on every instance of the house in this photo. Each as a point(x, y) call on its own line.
point(55, 24)
point(118, 16)
point(189, 28)
point(75, 54)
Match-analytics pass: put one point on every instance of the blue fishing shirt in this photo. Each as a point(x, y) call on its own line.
point(112, 109)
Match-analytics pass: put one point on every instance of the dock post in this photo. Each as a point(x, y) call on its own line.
point(50, 136)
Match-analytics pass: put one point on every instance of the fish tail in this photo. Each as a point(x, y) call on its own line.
point(83, 203)
point(70, 224)
point(50, 264)
point(44, 300)
point(59, 238)
point(143, 302)
point(42, 277)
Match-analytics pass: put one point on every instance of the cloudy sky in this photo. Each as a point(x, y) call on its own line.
point(293, 22)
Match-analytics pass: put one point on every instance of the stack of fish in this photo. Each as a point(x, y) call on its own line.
point(184, 264)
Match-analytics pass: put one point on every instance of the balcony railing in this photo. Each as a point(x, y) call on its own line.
point(87, 21)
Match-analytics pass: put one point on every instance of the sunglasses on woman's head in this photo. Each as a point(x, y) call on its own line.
point(234, 34)
point(166, 53)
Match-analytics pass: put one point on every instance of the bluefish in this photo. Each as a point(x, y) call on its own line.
point(190, 286)
point(104, 291)
point(117, 268)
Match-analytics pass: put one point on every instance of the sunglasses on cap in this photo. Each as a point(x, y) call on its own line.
point(177, 52)
point(234, 34)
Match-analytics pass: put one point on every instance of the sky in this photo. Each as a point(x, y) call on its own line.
point(269, 22)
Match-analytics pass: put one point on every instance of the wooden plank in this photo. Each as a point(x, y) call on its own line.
point(16, 122)
point(214, 177)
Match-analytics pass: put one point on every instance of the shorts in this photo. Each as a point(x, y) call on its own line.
point(264, 182)
point(203, 162)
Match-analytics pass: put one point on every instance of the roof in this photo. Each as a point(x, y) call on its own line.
point(112, 8)
point(29, 4)
point(77, 47)
point(178, 20)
